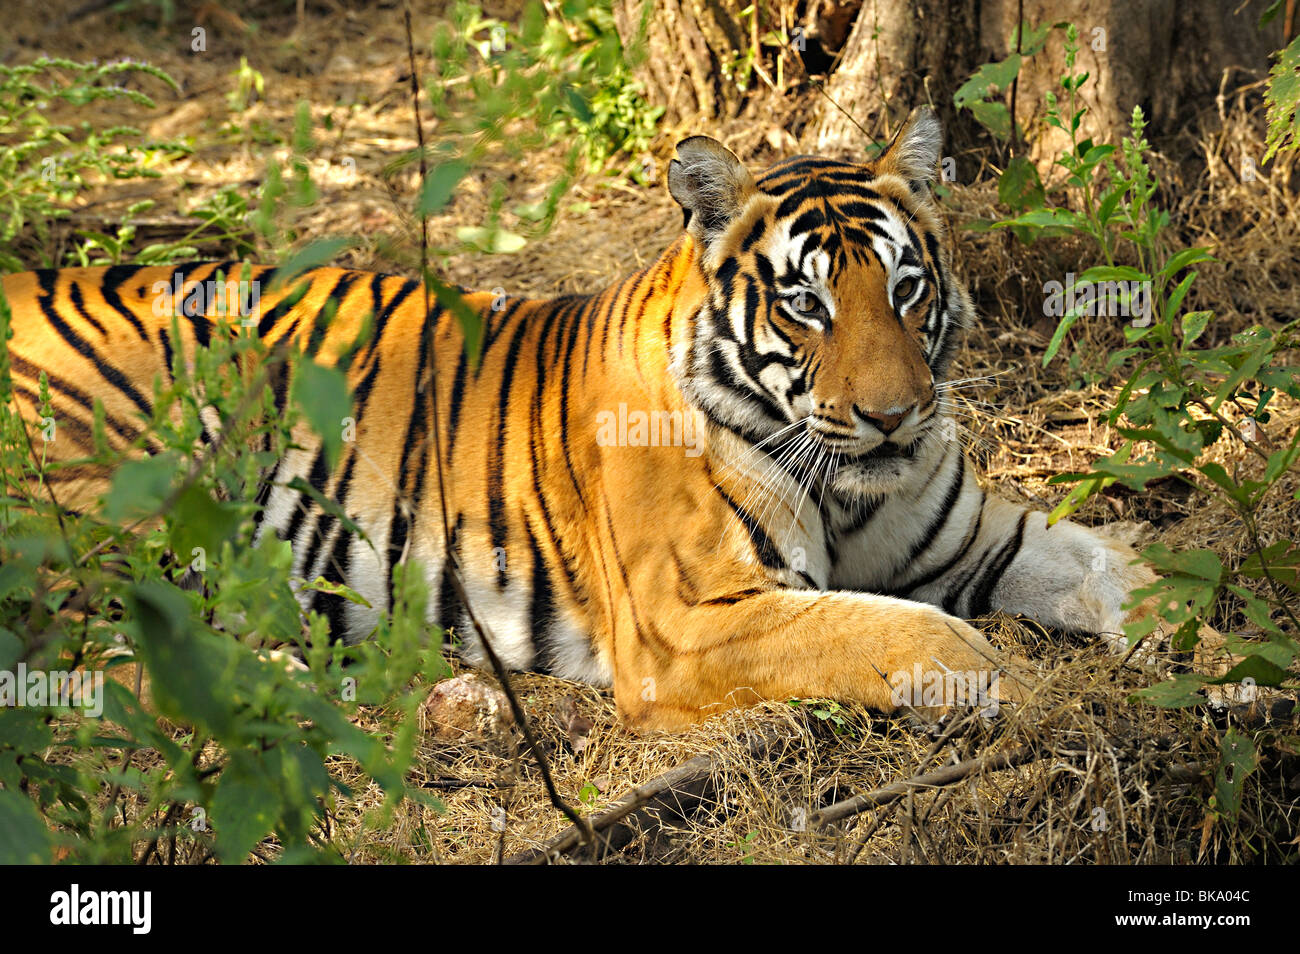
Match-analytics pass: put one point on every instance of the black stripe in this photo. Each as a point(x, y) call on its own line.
point(496, 462)
point(491, 332)
point(541, 612)
point(335, 571)
point(767, 551)
point(927, 578)
point(457, 402)
point(79, 303)
point(566, 369)
point(940, 520)
point(87, 350)
point(325, 523)
point(451, 611)
point(979, 600)
point(337, 293)
point(114, 278)
point(317, 475)
point(128, 432)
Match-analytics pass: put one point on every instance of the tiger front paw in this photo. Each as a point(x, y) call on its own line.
point(951, 665)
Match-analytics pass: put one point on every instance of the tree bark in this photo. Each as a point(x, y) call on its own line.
point(1165, 55)
point(688, 49)
point(900, 53)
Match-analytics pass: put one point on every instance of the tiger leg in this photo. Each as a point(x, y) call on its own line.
point(782, 644)
point(1066, 576)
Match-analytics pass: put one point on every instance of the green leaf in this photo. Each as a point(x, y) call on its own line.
point(988, 77)
point(494, 241)
point(200, 522)
point(26, 840)
point(190, 668)
point(578, 103)
point(1031, 38)
point(23, 729)
point(244, 808)
point(328, 504)
point(439, 185)
point(1110, 201)
point(1248, 367)
point(1177, 295)
point(1202, 564)
point(470, 321)
point(1111, 273)
point(1257, 669)
point(995, 117)
point(1019, 186)
point(11, 650)
point(322, 585)
point(139, 488)
point(1283, 561)
point(1089, 485)
point(1058, 337)
point(1216, 473)
point(325, 399)
point(1188, 256)
point(1044, 218)
point(1194, 323)
point(1176, 693)
point(1238, 760)
point(1283, 98)
point(312, 255)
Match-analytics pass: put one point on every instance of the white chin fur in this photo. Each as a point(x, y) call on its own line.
point(872, 480)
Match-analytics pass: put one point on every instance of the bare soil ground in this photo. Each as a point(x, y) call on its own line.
point(1110, 782)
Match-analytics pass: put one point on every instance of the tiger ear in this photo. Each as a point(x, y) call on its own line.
point(914, 152)
point(710, 184)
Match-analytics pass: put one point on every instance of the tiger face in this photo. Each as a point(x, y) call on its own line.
point(832, 311)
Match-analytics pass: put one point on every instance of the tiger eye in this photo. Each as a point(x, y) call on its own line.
point(904, 289)
point(806, 304)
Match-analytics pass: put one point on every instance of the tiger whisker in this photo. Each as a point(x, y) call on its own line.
point(794, 470)
point(765, 483)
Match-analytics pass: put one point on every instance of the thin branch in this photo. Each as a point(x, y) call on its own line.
point(452, 558)
point(949, 775)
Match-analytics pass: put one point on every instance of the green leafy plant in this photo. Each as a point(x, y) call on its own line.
point(250, 86)
point(44, 164)
point(558, 74)
point(1179, 400)
point(1283, 98)
point(168, 572)
point(982, 92)
point(1019, 185)
point(239, 754)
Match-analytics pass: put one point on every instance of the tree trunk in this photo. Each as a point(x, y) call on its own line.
point(687, 53)
point(1165, 55)
point(900, 53)
point(887, 56)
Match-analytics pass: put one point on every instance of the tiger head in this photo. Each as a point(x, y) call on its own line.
point(831, 311)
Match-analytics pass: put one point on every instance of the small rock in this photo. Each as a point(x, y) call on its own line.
point(465, 708)
point(575, 723)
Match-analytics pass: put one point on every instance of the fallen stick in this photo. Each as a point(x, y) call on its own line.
point(937, 779)
point(679, 791)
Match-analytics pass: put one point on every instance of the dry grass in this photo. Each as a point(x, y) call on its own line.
point(1109, 783)
point(1100, 788)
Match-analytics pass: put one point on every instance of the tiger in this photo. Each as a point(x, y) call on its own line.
point(730, 477)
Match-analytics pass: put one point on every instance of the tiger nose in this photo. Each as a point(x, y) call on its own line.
point(888, 423)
